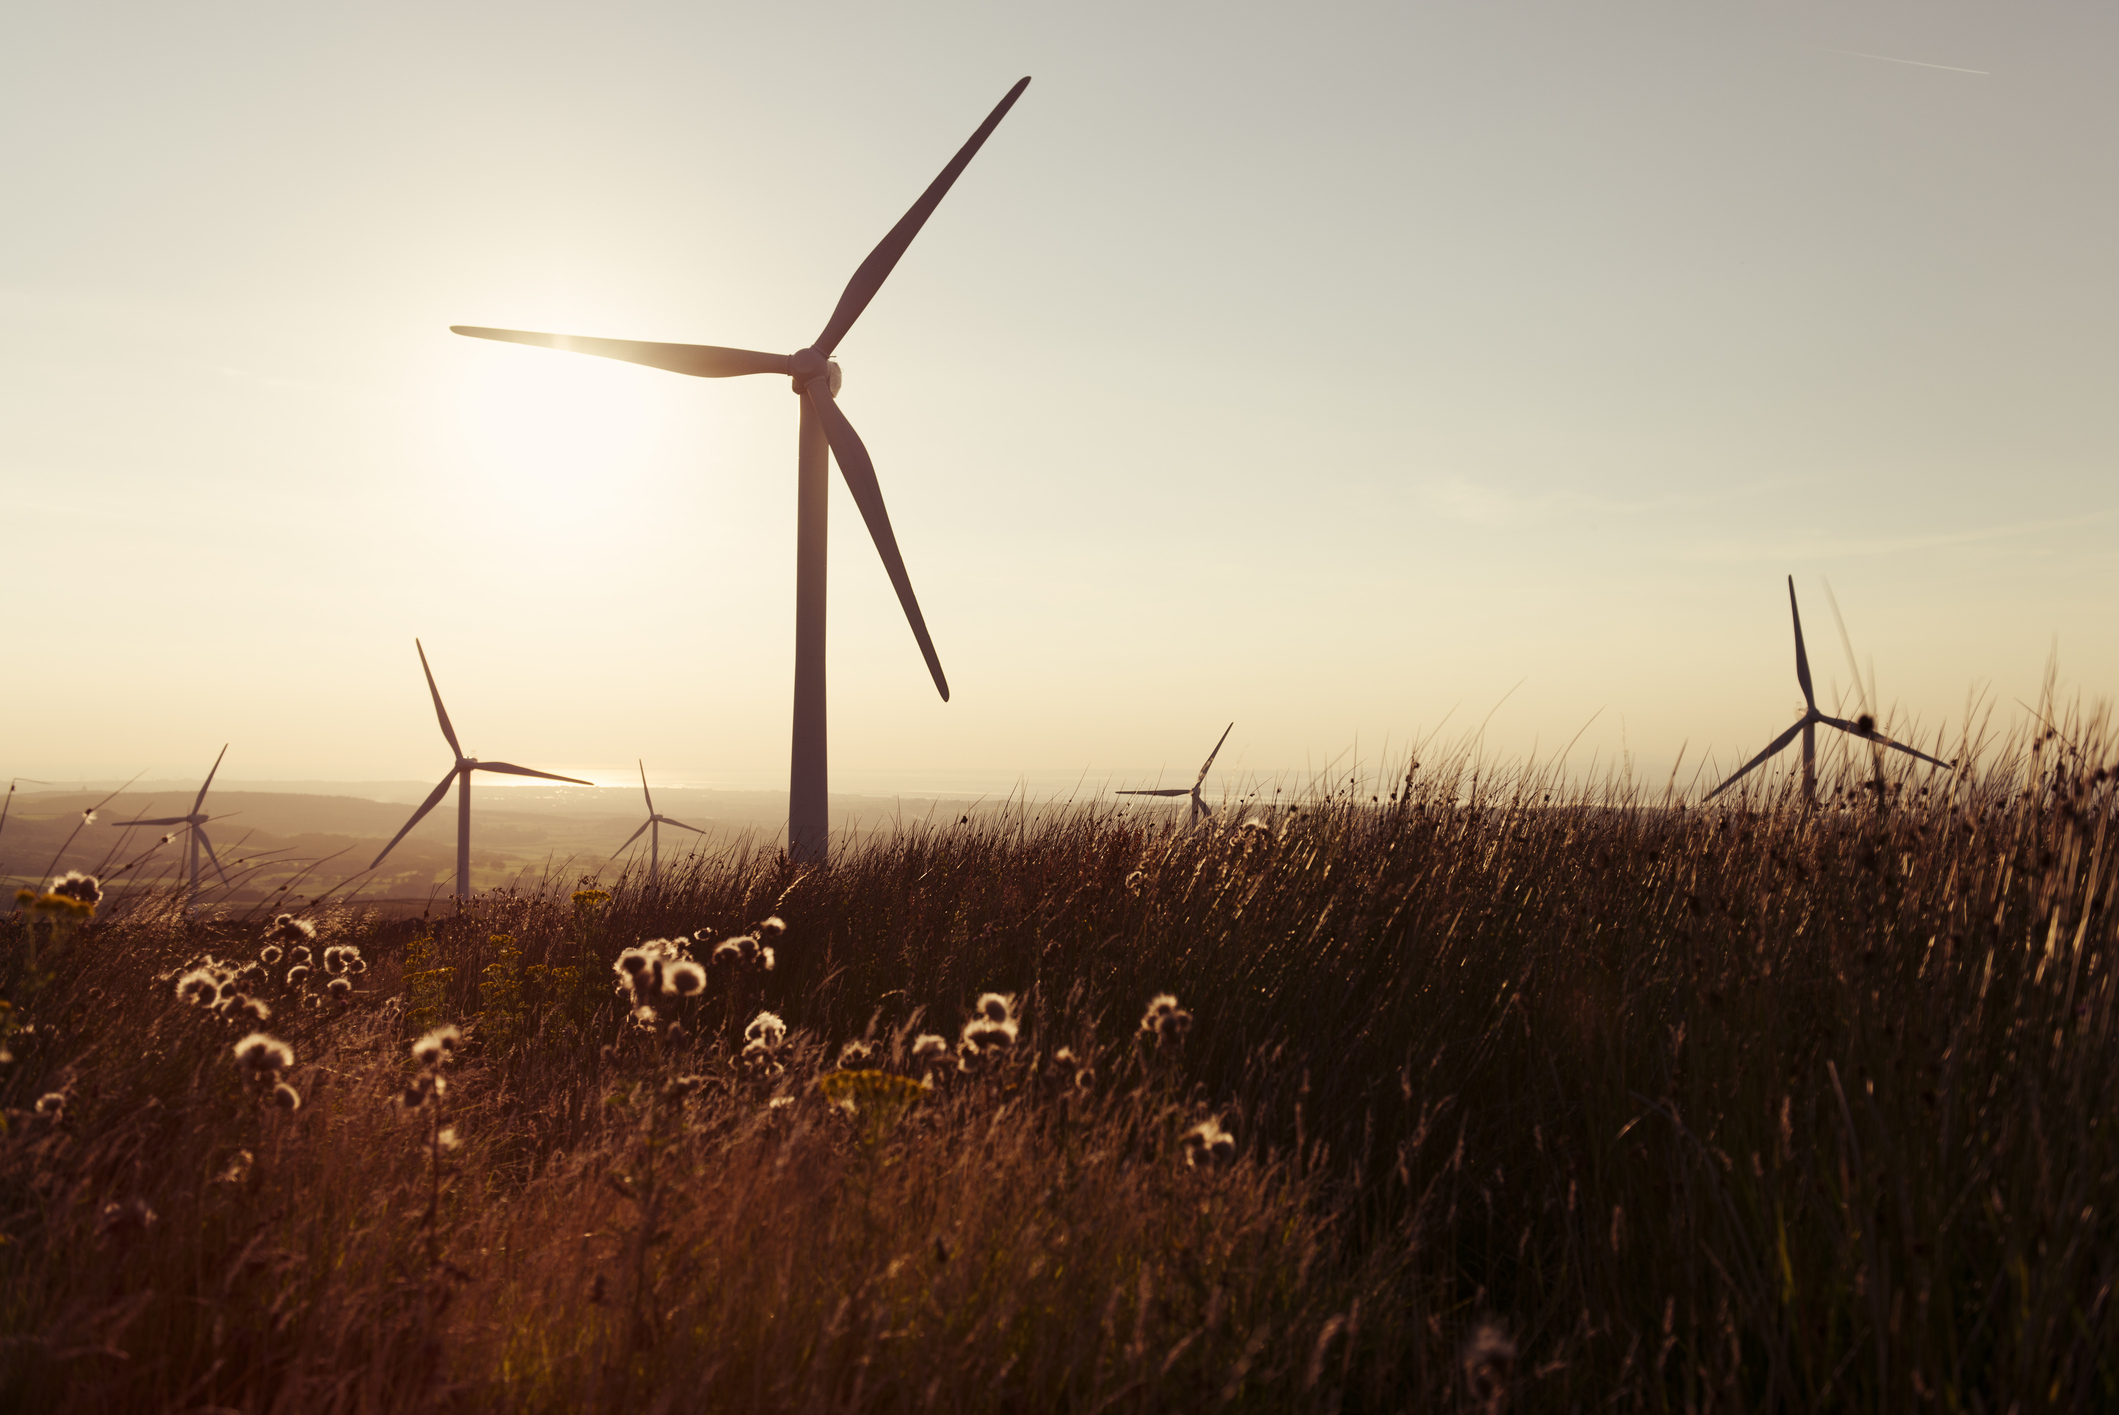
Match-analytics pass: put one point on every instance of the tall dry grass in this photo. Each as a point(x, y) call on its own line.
point(1543, 1097)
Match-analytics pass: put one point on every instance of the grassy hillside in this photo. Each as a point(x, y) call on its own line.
point(1534, 1099)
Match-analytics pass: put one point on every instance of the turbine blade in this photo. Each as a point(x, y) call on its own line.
point(160, 820)
point(682, 826)
point(697, 360)
point(1199, 802)
point(439, 711)
point(643, 788)
point(884, 258)
point(636, 834)
point(1212, 755)
point(209, 780)
point(1882, 741)
point(207, 841)
point(1777, 743)
point(1802, 660)
point(510, 769)
point(419, 815)
point(1166, 791)
point(860, 474)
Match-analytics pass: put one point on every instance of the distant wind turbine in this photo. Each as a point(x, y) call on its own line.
point(652, 825)
point(1863, 727)
point(461, 775)
point(823, 429)
point(1199, 806)
point(195, 829)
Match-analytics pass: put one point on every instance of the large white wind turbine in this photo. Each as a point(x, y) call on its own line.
point(195, 829)
point(653, 826)
point(1199, 805)
point(1863, 727)
point(461, 775)
point(825, 433)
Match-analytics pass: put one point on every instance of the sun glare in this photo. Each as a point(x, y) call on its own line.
point(550, 424)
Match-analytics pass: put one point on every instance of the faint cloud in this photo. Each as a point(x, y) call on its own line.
point(1825, 547)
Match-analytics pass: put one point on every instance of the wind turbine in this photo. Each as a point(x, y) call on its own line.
point(461, 775)
point(1863, 727)
point(1199, 806)
point(652, 825)
point(195, 826)
point(825, 433)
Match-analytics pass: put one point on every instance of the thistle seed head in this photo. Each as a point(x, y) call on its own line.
point(263, 1056)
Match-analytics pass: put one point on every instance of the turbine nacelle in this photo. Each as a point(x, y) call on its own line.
point(808, 366)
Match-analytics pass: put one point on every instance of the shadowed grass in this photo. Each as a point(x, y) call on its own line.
point(1750, 1106)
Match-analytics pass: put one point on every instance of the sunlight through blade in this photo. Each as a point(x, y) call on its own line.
point(695, 360)
point(1872, 735)
point(643, 787)
point(1212, 755)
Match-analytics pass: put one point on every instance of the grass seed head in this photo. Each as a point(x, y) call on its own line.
point(435, 1048)
point(81, 888)
point(1489, 1358)
point(263, 1056)
point(1165, 1021)
point(684, 978)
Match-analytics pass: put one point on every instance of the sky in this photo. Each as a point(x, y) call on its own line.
point(1352, 372)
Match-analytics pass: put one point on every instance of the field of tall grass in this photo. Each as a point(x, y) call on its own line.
point(1481, 1092)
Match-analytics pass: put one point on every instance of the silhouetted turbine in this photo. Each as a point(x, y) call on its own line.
point(1806, 725)
point(195, 828)
point(652, 825)
point(461, 775)
point(1199, 805)
point(816, 381)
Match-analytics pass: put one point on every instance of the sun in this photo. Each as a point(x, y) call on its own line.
point(553, 424)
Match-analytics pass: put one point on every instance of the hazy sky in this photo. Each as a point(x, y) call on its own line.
point(1327, 368)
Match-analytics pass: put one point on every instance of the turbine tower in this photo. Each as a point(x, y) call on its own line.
point(1863, 727)
point(652, 825)
point(824, 434)
point(1199, 806)
point(461, 775)
point(195, 829)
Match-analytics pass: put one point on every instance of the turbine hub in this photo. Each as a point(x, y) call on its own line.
point(809, 365)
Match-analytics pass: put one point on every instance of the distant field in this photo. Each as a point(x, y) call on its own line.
point(1533, 1098)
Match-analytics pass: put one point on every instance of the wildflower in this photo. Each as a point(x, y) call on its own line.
point(84, 889)
point(1072, 1071)
point(253, 1008)
point(238, 1169)
point(52, 1104)
point(286, 928)
point(684, 978)
point(1488, 1358)
point(644, 1017)
point(993, 1007)
point(445, 1138)
point(927, 1047)
point(271, 954)
point(333, 957)
point(286, 1097)
point(169, 837)
point(295, 974)
point(773, 925)
point(435, 1048)
point(680, 1087)
point(780, 1103)
point(590, 898)
point(301, 954)
point(262, 1055)
point(426, 1085)
point(1207, 1144)
point(127, 1220)
point(340, 988)
point(984, 1037)
point(766, 1027)
point(88, 817)
point(199, 987)
point(1165, 1021)
point(856, 1055)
